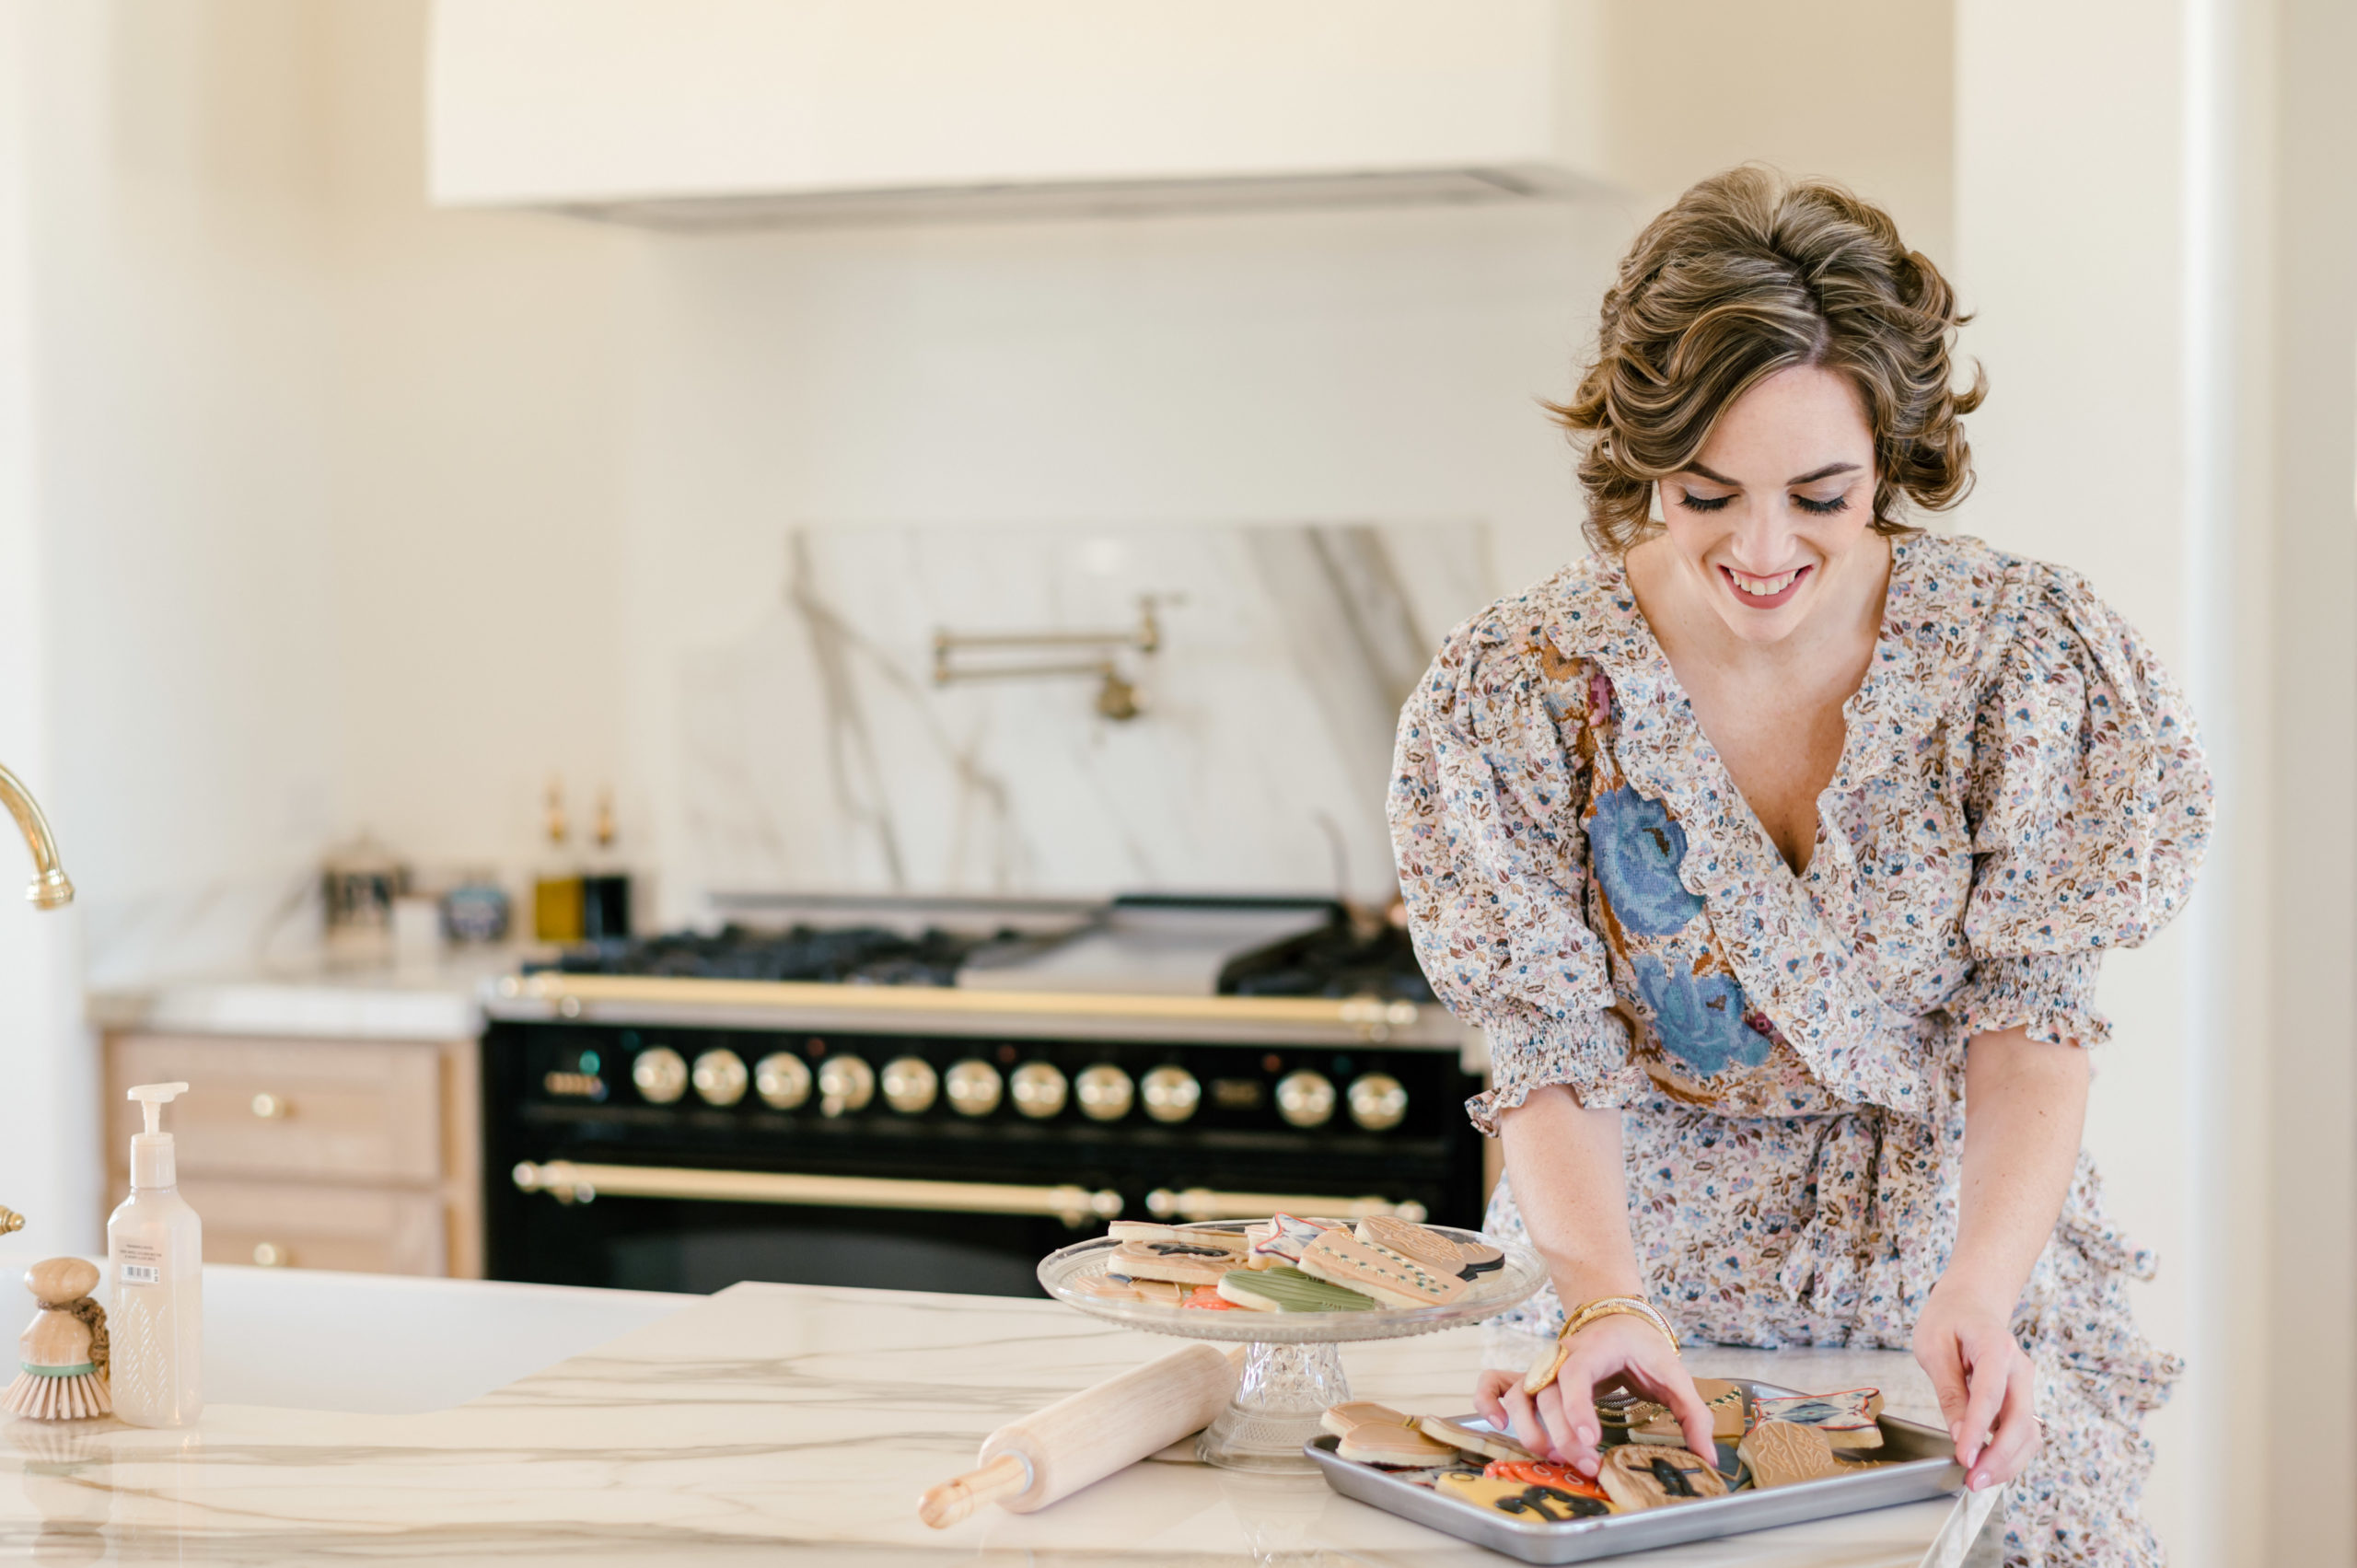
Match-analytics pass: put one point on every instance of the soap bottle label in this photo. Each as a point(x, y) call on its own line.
point(141, 1262)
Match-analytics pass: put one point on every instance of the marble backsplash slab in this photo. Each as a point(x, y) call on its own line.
point(819, 754)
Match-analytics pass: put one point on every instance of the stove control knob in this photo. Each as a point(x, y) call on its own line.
point(973, 1087)
point(909, 1085)
point(1171, 1094)
point(1378, 1102)
point(1306, 1098)
point(1037, 1090)
point(719, 1078)
point(845, 1083)
point(660, 1075)
point(782, 1081)
point(1104, 1091)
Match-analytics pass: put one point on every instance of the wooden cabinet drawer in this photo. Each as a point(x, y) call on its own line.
point(342, 1110)
point(363, 1230)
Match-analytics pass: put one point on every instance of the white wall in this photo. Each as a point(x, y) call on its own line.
point(2105, 188)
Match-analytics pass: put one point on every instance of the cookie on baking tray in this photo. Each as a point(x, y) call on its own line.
point(1637, 1476)
point(1781, 1452)
point(1721, 1397)
point(1472, 1439)
point(1524, 1500)
point(1847, 1419)
point(1394, 1281)
point(1370, 1434)
point(1544, 1472)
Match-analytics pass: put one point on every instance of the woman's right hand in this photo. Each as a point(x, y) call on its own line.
point(1610, 1351)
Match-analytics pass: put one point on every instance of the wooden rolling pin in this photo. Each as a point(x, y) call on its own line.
point(1086, 1436)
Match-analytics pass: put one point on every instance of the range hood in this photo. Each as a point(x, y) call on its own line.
point(696, 114)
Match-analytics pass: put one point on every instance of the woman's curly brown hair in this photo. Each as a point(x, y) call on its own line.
point(1745, 276)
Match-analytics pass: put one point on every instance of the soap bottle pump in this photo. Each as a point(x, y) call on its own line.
point(155, 1256)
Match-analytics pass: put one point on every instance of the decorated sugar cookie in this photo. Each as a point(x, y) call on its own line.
point(1472, 1439)
point(1477, 1258)
point(1369, 1434)
point(1143, 1230)
point(1284, 1239)
point(1382, 1274)
point(1782, 1452)
point(1544, 1472)
point(1430, 1475)
point(1209, 1300)
point(1158, 1293)
point(1637, 1476)
point(1722, 1399)
point(1410, 1240)
point(1543, 1370)
point(1286, 1289)
point(1847, 1419)
point(1182, 1263)
point(1526, 1500)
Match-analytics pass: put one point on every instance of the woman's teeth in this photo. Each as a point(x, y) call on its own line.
point(1762, 587)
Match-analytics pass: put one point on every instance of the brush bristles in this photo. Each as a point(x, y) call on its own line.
point(58, 1398)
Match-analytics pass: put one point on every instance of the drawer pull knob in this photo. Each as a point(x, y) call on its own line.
point(271, 1108)
point(269, 1255)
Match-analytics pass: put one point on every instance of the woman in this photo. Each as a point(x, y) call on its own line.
point(1776, 847)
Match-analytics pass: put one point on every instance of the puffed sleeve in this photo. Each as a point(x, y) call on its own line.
point(2089, 805)
point(1485, 831)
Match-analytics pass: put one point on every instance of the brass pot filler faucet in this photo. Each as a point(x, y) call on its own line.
point(49, 890)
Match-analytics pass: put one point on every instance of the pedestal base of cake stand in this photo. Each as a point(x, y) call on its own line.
point(1283, 1390)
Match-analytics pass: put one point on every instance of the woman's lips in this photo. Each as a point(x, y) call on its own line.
point(1765, 601)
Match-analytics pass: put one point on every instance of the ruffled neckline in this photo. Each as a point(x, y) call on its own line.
point(1826, 1004)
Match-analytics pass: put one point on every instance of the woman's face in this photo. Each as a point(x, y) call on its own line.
point(1771, 518)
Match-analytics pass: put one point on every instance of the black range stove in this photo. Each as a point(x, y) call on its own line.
point(936, 1103)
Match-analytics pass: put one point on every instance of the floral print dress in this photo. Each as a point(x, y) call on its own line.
point(2020, 789)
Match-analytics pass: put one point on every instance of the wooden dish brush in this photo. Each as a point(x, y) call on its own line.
point(64, 1353)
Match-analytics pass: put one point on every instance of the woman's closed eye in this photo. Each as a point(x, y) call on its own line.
point(1694, 503)
point(1824, 508)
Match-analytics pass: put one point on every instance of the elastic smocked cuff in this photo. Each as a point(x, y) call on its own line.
point(2050, 995)
point(1591, 1055)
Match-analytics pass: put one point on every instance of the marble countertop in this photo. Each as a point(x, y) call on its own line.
point(767, 1423)
point(326, 996)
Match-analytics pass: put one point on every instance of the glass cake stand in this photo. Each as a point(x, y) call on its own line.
point(1293, 1363)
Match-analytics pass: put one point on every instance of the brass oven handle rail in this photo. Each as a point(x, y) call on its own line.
point(571, 1183)
point(1203, 1203)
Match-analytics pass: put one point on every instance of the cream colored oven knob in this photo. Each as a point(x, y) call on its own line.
point(1037, 1090)
point(845, 1083)
point(1171, 1094)
point(660, 1075)
point(720, 1077)
point(1377, 1102)
point(973, 1087)
point(1104, 1091)
point(782, 1081)
point(1306, 1098)
point(909, 1085)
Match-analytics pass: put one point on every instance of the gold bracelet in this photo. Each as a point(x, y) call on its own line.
point(1550, 1360)
point(1619, 1305)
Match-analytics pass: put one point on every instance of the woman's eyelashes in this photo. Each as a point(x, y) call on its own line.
point(1825, 508)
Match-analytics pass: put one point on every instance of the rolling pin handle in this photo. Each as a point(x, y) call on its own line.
point(1009, 1475)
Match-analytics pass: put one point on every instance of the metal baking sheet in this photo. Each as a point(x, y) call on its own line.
point(1925, 1467)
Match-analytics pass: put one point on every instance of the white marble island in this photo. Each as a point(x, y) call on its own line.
point(766, 1423)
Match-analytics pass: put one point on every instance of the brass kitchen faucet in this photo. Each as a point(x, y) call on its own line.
point(50, 889)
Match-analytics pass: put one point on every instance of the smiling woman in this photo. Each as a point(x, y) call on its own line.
point(1776, 847)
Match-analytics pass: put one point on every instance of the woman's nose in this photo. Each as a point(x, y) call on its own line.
point(1762, 541)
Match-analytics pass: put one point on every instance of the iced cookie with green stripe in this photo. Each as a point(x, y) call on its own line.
point(1287, 1289)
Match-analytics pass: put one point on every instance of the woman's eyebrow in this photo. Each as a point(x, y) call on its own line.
point(1827, 471)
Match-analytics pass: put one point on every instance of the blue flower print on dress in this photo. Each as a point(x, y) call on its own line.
point(1635, 846)
point(1699, 1017)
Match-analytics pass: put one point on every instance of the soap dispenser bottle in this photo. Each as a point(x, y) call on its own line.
point(155, 1258)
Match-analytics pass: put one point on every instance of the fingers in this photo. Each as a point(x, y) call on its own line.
point(1569, 1420)
point(1991, 1358)
point(1694, 1417)
point(1487, 1391)
point(2018, 1434)
point(1936, 1353)
point(1522, 1419)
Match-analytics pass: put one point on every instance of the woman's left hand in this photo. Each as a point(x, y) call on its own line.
point(1987, 1387)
